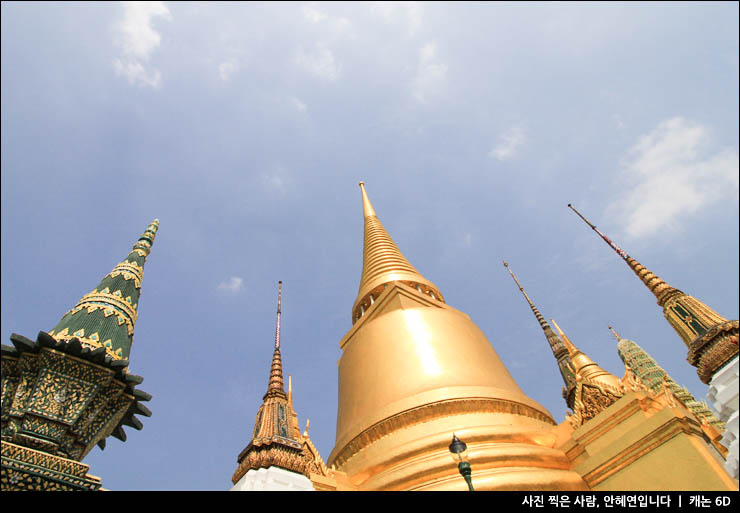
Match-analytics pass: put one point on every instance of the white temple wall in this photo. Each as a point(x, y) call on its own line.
point(723, 396)
point(273, 479)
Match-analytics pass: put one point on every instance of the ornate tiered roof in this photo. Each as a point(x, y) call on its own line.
point(276, 438)
point(106, 316)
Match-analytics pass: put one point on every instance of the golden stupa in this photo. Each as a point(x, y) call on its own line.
point(414, 370)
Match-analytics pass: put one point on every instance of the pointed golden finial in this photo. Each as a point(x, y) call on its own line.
point(616, 335)
point(585, 366)
point(277, 325)
point(367, 207)
point(572, 349)
point(383, 263)
point(290, 390)
point(275, 385)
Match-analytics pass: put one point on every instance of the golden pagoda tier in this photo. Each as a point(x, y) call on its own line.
point(414, 370)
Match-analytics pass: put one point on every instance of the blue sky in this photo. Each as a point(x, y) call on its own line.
point(245, 127)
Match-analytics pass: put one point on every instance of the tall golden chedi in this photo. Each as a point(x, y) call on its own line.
point(70, 389)
point(414, 370)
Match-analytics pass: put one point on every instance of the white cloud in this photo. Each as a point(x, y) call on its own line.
point(395, 12)
point(298, 104)
point(332, 26)
point(227, 68)
point(276, 181)
point(319, 62)
point(508, 144)
point(431, 74)
point(312, 14)
point(232, 285)
point(137, 39)
point(672, 173)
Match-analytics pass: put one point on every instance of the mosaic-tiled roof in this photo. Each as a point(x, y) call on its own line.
point(652, 376)
point(106, 316)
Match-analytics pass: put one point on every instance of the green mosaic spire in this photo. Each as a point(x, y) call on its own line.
point(106, 316)
point(651, 374)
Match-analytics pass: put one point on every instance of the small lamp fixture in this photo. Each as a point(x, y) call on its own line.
point(459, 451)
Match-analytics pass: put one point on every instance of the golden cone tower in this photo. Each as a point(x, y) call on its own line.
point(712, 340)
point(382, 262)
point(414, 370)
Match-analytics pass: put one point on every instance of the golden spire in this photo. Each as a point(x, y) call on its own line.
point(711, 339)
point(275, 386)
point(276, 438)
point(572, 349)
point(616, 335)
point(383, 263)
point(658, 287)
point(367, 208)
point(559, 350)
point(596, 388)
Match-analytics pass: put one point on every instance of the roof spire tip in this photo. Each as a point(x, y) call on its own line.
point(367, 208)
point(616, 335)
